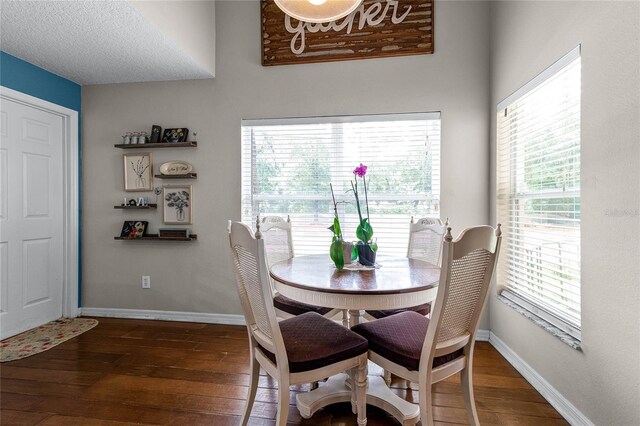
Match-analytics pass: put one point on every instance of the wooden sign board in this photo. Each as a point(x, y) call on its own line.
point(377, 29)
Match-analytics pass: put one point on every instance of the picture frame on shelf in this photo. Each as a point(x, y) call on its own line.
point(178, 134)
point(134, 229)
point(138, 172)
point(178, 204)
point(156, 133)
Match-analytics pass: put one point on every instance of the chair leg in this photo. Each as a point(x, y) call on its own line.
point(353, 375)
point(387, 377)
point(426, 405)
point(466, 380)
point(283, 402)
point(361, 393)
point(253, 387)
point(345, 318)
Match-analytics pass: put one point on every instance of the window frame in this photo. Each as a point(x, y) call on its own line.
point(546, 314)
point(249, 198)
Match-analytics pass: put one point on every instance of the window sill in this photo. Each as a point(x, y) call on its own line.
point(540, 322)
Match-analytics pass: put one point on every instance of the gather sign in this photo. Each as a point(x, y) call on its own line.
point(377, 28)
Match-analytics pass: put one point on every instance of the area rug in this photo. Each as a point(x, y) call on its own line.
point(44, 337)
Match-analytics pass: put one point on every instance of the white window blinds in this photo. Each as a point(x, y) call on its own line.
point(538, 177)
point(287, 165)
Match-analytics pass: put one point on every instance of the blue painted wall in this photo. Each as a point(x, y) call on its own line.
point(27, 78)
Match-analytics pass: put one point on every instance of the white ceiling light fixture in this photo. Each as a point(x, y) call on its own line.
point(318, 11)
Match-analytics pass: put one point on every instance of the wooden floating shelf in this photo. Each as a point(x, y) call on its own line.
point(191, 144)
point(185, 176)
point(155, 237)
point(147, 207)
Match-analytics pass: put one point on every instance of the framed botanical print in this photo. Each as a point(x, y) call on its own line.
point(138, 172)
point(178, 204)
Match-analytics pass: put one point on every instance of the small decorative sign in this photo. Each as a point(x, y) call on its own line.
point(376, 29)
point(175, 168)
point(173, 233)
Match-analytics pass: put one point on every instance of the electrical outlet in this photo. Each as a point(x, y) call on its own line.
point(146, 281)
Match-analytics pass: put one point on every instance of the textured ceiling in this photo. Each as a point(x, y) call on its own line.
point(93, 42)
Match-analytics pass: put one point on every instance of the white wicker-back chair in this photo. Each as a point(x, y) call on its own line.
point(467, 268)
point(425, 243)
point(292, 351)
point(425, 239)
point(278, 242)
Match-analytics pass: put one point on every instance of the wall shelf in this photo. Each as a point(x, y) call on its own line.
point(185, 176)
point(155, 237)
point(127, 207)
point(190, 144)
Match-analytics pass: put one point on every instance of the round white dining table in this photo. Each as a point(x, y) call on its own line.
point(397, 283)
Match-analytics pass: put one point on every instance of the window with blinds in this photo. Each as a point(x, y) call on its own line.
point(287, 165)
point(538, 178)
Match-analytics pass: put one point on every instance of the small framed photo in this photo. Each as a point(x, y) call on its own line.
point(178, 204)
point(134, 229)
point(138, 172)
point(175, 135)
point(156, 132)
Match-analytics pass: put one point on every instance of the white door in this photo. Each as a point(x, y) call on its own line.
point(31, 217)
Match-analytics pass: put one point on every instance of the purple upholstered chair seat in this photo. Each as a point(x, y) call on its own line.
point(293, 307)
point(399, 338)
point(423, 310)
point(313, 341)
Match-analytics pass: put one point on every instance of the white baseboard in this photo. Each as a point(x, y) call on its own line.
point(163, 315)
point(482, 335)
point(556, 399)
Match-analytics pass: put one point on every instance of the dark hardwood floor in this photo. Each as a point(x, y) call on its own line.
point(155, 372)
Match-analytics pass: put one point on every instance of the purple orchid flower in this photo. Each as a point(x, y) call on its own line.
point(360, 170)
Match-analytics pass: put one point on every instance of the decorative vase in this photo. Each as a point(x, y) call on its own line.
point(366, 256)
point(180, 215)
point(347, 251)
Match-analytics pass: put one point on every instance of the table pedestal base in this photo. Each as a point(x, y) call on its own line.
point(378, 394)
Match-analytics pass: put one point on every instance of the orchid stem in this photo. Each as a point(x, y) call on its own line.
point(355, 193)
point(366, 198)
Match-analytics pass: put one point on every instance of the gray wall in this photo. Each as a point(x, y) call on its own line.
point(601, 381)
point(197, 277)
point(188, 23)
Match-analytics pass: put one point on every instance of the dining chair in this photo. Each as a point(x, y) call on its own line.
point(425, 239)
point(425, 243)
point(297, 350)
point(278, 242)
point(428, 351)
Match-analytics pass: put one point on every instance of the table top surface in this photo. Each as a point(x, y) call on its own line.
point(317, 273)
